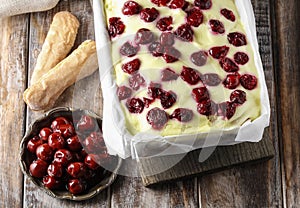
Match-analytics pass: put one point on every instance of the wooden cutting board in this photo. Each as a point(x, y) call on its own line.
point(223, 157)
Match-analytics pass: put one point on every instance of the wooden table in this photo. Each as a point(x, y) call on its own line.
point(275, 183)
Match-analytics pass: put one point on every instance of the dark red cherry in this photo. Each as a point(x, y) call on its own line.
point(168, 75)
point(94, 143)
point(38, 168)
point(241, 58)
point(33, 144)
point(56, 141)
point(76, 186)
point(182, 114)
point(184, 33)
point(59, 121)
point(147, 102)
point(203, 4)
point(135, 105)
point(190, 75)
point(131, 66)
point(228, 65)
point(167, 39)
point(219, 52)
point(143, 36)
point(248, 81)
point(154, 90)
point(157, 118)
point(167, 99)
point(228, 14)
point(136, 81)
point(86, 123)
point(194, 17)
point(169, 58)
point(199, 58)
point(55, 169)
point(237, 39)
point(211, 79)
point(44, 152)
point(165, 23)
point(160, 2)
point(83, 152)
point(66, 130)
point(45, 133)
point(149, 14)
point(232, 81)
point(74, 144)
point(156, 49)
point(227, 109)
point(171, 54)
point(127, 49)
point(238, 97)
point(93, 176)
point(157, 2)
point(63, 156)
point(76, 169)
point(176, 4)
point(186, 6)
point(131, 8)
point(204, 107)
point(79, 156)
point(124, 92)
point(90, 162)
point(51, 182)
point(216, 26)
point(200, 94)
point(116, 26)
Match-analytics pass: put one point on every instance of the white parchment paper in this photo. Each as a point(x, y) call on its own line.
point(119, 141)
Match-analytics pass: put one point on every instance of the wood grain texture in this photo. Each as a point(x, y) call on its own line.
point(256, 185)
point(182, 166)
point(84, 94)
point(129, 192)
point(287, 55)
point(13, 64)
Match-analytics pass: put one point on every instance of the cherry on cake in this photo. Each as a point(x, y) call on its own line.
point(182, 66)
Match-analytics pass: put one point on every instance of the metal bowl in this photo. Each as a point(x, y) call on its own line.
point(26, 157)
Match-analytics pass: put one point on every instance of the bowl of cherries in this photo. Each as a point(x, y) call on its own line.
point(64, 153)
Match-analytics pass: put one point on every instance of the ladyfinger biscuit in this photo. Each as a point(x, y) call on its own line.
point(58, 43)
point(81, 63)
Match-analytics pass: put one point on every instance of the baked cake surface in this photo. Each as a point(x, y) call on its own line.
point(182, 67)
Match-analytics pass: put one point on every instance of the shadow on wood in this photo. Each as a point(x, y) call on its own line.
point(222, 158)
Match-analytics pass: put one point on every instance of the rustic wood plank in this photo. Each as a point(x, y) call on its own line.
point(85, 94)
point(130, 192)
point(287, 56)
point(256, 185)
point(13, 63)
point(188, 165)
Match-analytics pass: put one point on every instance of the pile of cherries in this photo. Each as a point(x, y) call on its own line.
point(68, 157)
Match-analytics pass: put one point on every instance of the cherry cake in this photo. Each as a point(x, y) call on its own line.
point(182, 66)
